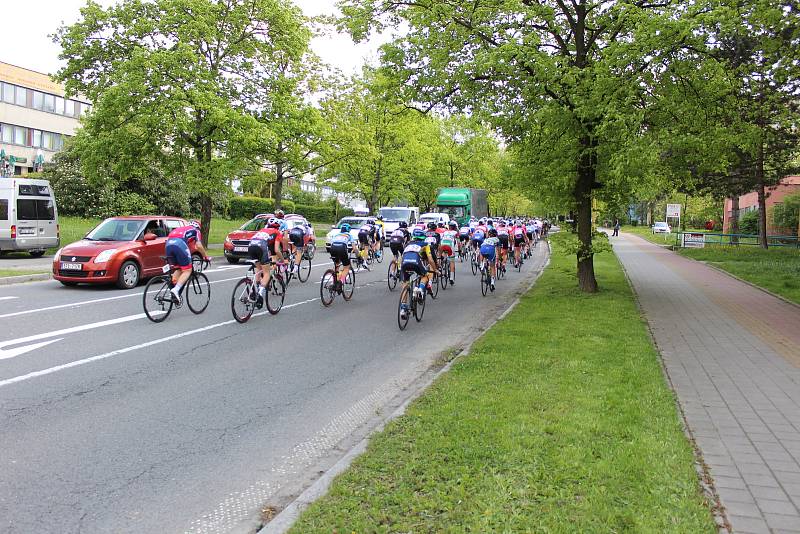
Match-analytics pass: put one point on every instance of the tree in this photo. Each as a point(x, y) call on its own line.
point(564, 78)
point(180, 73)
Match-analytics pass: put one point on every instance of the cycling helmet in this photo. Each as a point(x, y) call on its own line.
point(431, 225)
point(452, 225)
point(490, 222)
point(380, 217)
point(403, 224)
point(195, 224)
point(279, 214)
point(418, 234)
point(345, 228)
point(272, 222)
point(370, 221)
point(493, 232)
point(440, 224)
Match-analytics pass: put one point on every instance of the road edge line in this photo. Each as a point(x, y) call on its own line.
point(282, 522)
point(21, 279)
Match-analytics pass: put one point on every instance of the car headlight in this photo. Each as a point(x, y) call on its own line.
point(105, 255)
point(228, 240)
point(58, 254)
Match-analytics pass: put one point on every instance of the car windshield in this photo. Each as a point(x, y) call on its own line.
point(661, 225)
point(117, 230)
point(395, 214)
point(453, 211)
point(291, 223)
point(353, 222)
point(254, 225)
point(429, 219)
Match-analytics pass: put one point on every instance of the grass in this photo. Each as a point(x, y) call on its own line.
point(776, 269)
point(13, 272)
point(558, 421)
point(658, 239)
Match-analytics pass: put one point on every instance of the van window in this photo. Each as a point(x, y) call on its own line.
point(173, 224)
point(3, 209)
point(35, 210)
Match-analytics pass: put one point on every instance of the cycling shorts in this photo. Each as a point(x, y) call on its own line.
point(503, 241)
point(258, 250)
point(477, 241)
point(488, 252)
point(412, 263)
point(530, 236)
point(396, 248)
point(178, 253)
point(340, 254)
point(364, 237)
point(519, 241)
point(296, 236)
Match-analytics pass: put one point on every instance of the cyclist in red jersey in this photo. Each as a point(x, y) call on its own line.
point(178, 253)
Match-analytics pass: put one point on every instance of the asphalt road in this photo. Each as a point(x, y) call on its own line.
point(110, 423)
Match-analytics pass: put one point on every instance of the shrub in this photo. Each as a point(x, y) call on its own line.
point(132, 204)
point(247, 207)
point(748, 223)
point(785, 216)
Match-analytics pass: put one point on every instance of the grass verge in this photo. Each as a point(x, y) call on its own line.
point(13, 272)
point(558, 421)
point(776, 269)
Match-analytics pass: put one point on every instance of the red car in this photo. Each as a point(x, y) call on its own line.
point(236, 242)
point(120, 250)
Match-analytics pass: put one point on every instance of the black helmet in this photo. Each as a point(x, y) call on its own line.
point(440, 224)
point(493, 231)
point(431, 225)
point(403, 224)
point(452, 225)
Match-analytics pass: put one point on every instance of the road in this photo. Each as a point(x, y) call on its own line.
point(110, 423)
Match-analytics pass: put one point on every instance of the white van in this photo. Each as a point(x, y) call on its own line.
point(28, 216)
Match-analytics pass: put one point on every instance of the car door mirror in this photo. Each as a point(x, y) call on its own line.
point(149, 236)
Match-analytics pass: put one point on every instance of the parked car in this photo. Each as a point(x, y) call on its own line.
point(354, 222)
point(661, 228)
point(28, 216)
point(236, 242)
point(425, 218)
point(120, 250)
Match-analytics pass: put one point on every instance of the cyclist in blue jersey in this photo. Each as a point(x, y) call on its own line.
point(178, 253)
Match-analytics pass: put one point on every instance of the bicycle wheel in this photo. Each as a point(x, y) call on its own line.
point(435, 285)
point(327, 287)
point(157, 299)
point(379, 255)
point(289, 272)
point(484, 283)
point(243, 300)
point(391, 277)
point(419, 307)
point(197, 293)
point(305, 270)
point(275, 294)
point(474, 265)
point(405, 298)
point(444, 275)
point(349, 285)
point(519, 264)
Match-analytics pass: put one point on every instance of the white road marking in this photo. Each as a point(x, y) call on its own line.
point(17, 351)
point(106, 299)
point(8, 298)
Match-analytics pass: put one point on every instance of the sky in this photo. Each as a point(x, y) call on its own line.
point(25, 42)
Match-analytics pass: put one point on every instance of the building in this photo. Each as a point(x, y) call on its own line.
point(749, 202)
point(35, 118)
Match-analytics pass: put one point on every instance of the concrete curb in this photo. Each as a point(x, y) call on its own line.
point(8, 280)
point(282, 522)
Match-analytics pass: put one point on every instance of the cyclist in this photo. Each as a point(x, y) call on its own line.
point(266, 248)
point(530, 230)
point(415, 257)
point(297, 240)
point(366, 236)
point(447, 246)
point(464, 234)
point(399, 239)
point(380, 234)
point(489, 252)
point(178, 253)
point(433, 238)
point(520, 240)
point(503, 236)
point(341, 245)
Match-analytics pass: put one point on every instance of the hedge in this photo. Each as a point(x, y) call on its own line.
point(246, 207)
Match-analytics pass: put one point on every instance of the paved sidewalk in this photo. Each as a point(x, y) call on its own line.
point(732, 353)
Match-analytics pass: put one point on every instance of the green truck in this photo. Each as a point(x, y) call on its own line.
point(461, 203)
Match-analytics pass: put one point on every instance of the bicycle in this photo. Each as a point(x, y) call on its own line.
point(444, 272)
point(158, 294)
point(414, 303)
point(473, 260)
point(244, 298)
point(305, 267)
point(393, 274)
point(486, 277)
point(329, 285)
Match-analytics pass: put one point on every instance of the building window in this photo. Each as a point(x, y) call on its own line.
point(50, 103)
point(37, 138)
point(8, 93)
point(69, 108)
point(22, 97)
point(59, 105)
point(8, 134)
point(58, 141)
point(20, 136)
point(38, 100)
point(47, 140)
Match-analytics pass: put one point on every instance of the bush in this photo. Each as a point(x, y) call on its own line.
point(132, 204)
point(748, 223)
point(785, 215)
point(247, 207)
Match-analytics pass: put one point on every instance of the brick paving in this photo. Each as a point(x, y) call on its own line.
point(732, 353)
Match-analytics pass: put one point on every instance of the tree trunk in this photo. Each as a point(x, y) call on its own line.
point(583, 199)
point(278, 191)
point(762, 199)
point(372, 201)
point(206, 201)
point(733, 227)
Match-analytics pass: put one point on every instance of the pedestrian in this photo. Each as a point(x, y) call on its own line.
point(616, 228)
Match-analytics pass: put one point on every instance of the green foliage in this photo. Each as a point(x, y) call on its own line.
point(748, 223)
point(298, 196)
point(786, 216)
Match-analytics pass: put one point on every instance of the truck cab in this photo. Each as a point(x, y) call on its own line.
point(461, 203)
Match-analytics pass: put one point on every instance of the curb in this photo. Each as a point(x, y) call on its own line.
point(282, 522)
point(8, 280)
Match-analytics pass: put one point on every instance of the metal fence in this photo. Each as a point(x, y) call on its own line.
point(736, 240)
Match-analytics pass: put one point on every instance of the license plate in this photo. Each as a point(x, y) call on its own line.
point(240, 249)
point(27, 231)
point(71, 266)
point(166, 269)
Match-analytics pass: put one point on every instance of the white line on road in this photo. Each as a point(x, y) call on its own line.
point(8, 298)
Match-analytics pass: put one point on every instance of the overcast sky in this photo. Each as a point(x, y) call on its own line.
point(24, 38)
